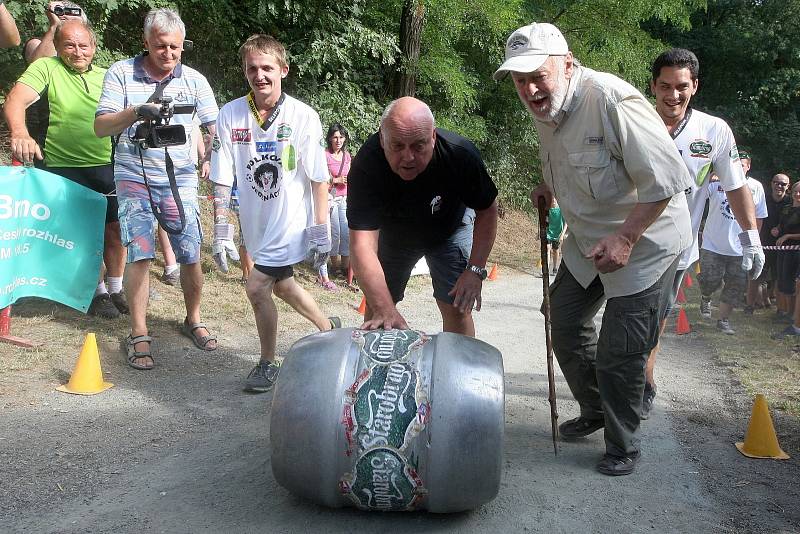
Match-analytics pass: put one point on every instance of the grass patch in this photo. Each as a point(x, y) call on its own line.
point(763, 365)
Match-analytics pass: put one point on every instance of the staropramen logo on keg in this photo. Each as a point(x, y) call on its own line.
point(386, 346)
point(383, 480)
point(385, 406)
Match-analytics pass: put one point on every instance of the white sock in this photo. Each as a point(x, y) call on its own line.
point(169, 269)
point(114, 284)
point(101, 289)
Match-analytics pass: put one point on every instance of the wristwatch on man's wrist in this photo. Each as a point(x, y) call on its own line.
point(480, 271)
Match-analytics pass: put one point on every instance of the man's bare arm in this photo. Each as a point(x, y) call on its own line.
point(9, 34)
point(23, 147)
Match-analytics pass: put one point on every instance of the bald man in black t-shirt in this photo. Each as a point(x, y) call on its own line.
point(413, 191)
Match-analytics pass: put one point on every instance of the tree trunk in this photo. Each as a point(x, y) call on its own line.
point(412, 18)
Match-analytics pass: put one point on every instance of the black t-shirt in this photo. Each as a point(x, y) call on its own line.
point(790, 223)
point(773, 217)
point(427, 209)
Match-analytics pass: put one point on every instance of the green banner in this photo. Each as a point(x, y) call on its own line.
point(51, 238)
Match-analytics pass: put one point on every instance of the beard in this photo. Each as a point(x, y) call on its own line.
point(557, 98)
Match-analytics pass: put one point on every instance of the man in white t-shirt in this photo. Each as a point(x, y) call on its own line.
point(273, 144)
point(705, 143)
point(721, 253)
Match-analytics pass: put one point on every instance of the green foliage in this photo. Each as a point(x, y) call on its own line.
point(343, 56)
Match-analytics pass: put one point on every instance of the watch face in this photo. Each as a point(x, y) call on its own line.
point(482, 273)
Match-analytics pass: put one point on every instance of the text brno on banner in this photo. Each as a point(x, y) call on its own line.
point(51, 238)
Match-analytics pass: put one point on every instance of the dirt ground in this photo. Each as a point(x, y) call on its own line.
point(184, 449)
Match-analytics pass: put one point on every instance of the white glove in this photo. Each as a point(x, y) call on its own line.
point(223, 246)
point(752, 253)
point(319, 244)
point(148, 111)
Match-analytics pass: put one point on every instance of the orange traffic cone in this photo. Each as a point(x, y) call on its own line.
point(760, 440)
point(493, 273)
point(682, 326)
point(687, 280)
point(362, 308)
point(87, 378)
point(681, 296)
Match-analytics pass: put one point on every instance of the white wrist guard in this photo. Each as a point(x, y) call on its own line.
point(750, 238)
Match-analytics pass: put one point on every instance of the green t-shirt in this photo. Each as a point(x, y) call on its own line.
point(555, 224)
point(72, 98)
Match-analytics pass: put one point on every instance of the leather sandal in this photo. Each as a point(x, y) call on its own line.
point(133, 354)
point(201, 342)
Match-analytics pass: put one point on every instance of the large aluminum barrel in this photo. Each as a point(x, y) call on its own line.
point(390, 420)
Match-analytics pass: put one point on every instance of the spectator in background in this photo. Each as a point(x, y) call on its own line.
point(721, 252)
point(9, 34)
point(753, 293)
point(778, 200)
point(38, 47)
point(43, 46)
point(72, 88)
point(339, 159)
point(555, 234)
point(788, 233)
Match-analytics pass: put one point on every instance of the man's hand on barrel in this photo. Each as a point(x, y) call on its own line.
point(386, 319)
point(467, 292)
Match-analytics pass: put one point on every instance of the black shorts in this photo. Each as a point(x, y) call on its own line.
point(555, 244)
point(99, 179)
point(446, 261)
point(278, 273)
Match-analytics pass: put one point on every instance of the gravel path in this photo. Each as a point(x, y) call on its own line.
point(183, 449)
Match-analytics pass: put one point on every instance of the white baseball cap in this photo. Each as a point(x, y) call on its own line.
point(529, 47)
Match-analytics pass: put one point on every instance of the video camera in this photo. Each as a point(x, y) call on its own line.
point(159, 132)
point(60, 11)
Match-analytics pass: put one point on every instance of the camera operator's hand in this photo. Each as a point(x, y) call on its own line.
point(223, 246)
point(52, 18)
point(319, 244)
point(24, 148)
point(148, 111)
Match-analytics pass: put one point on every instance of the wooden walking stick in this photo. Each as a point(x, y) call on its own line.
point(551, 379)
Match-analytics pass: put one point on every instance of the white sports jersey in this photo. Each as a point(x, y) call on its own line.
point(707, 145)
point(721, 233)
point(275, 169)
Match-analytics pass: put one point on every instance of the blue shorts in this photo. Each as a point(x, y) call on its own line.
point(138, 224)
point(446, 261)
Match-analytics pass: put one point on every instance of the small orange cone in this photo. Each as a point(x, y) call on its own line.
point(362, 308)
point(493, 273)
point(687, 280)
point(760, 440)
point(681, 296)
point(682, 326)
point(87, 378)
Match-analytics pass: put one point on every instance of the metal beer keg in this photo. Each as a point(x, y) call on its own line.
point(390, 420)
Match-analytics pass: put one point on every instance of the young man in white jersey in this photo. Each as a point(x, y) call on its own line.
point(273, 144)
point(706, 143)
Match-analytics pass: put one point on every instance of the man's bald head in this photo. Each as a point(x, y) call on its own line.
point(75, 44)
point(408, 136)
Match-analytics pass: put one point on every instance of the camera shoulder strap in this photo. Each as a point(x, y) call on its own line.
point(173, 185)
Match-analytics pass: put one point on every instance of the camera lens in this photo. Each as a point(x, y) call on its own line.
point(58, 11)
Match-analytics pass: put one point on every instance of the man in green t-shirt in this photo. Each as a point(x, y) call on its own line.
point(71, 149)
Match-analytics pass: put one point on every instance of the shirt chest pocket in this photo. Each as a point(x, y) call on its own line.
point(594, 172)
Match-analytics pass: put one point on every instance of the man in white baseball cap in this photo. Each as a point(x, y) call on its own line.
point(620, 183)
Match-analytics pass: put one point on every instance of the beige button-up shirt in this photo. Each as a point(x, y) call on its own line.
point(607, 151)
